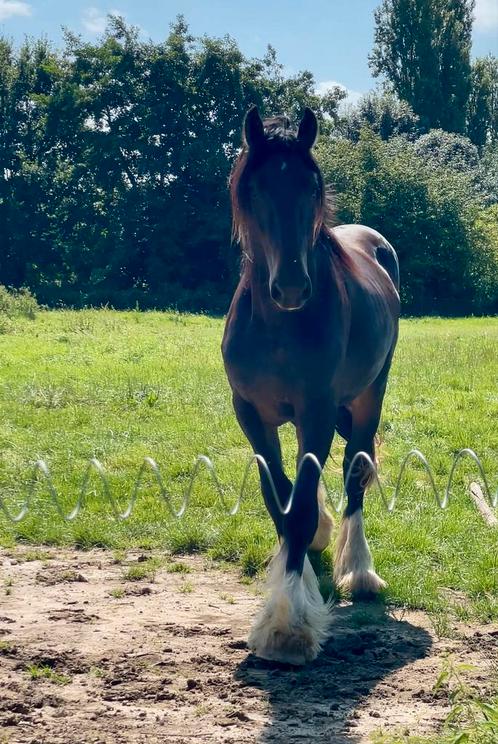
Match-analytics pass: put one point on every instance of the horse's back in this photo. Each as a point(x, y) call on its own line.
point(361, 238)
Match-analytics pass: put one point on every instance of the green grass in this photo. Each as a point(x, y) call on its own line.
point(120, 386)
point(37, 671)
point(144, 570)
point(177, 567)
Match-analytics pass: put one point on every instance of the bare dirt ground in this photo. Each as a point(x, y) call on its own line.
point(166, 661)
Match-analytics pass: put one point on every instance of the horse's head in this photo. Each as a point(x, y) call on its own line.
point(278, 202)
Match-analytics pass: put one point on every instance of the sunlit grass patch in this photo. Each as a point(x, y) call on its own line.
point(120, 386)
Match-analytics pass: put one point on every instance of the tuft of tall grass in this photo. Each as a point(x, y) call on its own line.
point(15, 304)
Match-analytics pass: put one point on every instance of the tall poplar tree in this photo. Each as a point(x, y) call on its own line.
point(422, 47)
point(482, 124)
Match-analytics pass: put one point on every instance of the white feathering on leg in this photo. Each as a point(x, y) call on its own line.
point(325, 522)
point(294, 622)
point(353, 569)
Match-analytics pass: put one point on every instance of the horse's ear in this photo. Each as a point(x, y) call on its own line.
point(308, 129)
point(254, 133)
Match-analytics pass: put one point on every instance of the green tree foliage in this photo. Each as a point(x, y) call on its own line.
point(116, 157)
point(482, 126)
point(458, 153)
point(487, 178)
point(448, 262)
point(384, 113)
point(27, 81)
point(422, 47)
point(452, 150)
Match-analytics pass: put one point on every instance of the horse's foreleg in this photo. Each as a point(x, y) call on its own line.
point(353, 566)
point(294, 623)
point(272, 635)
point(265, 442)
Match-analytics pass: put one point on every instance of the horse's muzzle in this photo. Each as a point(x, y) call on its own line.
point(290, 297)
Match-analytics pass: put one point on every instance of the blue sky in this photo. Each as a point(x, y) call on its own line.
point(332, 38)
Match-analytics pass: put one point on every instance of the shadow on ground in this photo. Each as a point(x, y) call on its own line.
point(322, 701)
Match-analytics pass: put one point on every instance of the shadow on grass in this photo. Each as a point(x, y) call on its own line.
point(319, 702)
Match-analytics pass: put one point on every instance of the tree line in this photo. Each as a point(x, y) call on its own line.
point(115, 158)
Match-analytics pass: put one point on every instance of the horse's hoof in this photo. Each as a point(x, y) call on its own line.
point(296, 648)
point(361, 584)
point(294, 623)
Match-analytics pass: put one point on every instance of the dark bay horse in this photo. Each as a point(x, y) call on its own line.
point(309, 339)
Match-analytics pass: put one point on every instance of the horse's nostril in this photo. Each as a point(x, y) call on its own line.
point(275, 292)
point(307, 291)
point(291, 297)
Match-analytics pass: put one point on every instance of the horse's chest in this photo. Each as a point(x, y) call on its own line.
point(276, 370)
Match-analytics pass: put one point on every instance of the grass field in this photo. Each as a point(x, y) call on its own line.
point(120, 386)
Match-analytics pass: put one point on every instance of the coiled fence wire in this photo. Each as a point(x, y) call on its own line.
point(41, 471)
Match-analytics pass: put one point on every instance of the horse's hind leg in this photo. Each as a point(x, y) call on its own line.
point(323, 532)
point(325, 521)
point(353, 566)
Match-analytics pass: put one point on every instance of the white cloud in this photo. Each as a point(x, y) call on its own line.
point(11, 8)
point(352, 97)
point(95, 20)
point(486, 15)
